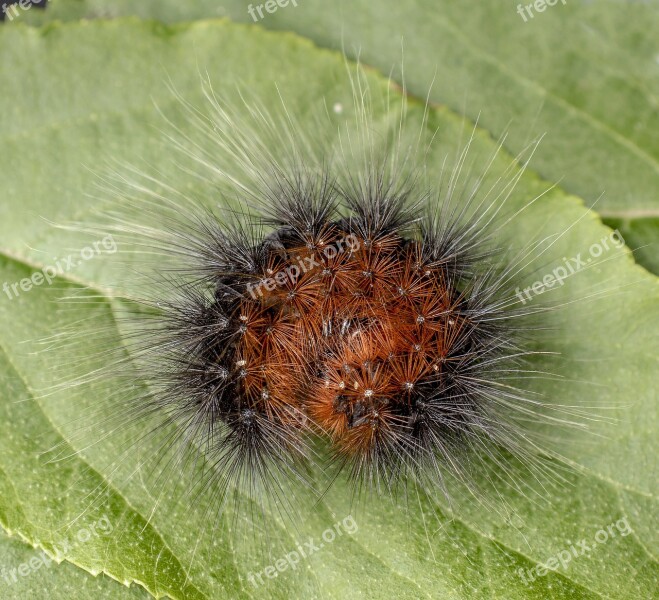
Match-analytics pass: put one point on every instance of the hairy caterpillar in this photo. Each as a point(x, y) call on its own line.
point(330, 292)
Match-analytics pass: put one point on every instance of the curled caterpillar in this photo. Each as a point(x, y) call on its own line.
point(345, 298)
point(365, 326)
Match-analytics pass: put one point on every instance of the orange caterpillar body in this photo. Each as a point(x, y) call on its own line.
point(349, 332)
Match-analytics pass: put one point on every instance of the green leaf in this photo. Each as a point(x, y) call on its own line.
point(585, 73)
point(640, 234)
point(28, 574)
point(80, 94)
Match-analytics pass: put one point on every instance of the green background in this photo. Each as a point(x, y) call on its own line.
point(78, 83)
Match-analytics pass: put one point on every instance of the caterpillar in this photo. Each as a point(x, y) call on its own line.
point(330, 294)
